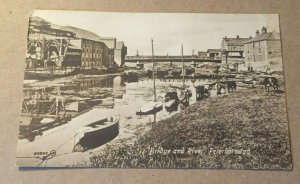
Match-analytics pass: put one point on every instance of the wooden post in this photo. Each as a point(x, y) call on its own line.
point(183, 82)
point(153, 72)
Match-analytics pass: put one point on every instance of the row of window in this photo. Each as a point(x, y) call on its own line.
point(85, 55)
point(235, 48)
point(91, 59)
point(91, 50)
point(255, 57)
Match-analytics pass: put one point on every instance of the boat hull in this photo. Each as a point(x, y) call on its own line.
point(149, 111)
point(97, 137)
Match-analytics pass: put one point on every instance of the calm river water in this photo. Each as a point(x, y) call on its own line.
point(126, 99)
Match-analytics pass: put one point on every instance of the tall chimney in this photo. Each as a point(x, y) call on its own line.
point(257, 32)
point(263, 30)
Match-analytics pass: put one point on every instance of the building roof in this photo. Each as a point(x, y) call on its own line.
point(81, 33)
point(107, 38)
point(235, 41)
point(213, 50)
point(38, 19)
point(110, 42)
point(58, 27)
point(265, 36)
point(120, 45)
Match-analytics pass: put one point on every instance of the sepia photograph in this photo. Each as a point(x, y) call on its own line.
point(153, 90)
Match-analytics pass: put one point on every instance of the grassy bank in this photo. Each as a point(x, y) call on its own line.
point(245, 130)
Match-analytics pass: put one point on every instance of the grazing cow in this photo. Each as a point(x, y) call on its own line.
point(270, 82)
point(231, 86)
point(171, 96)
point(185, 96)
point(220, 88)
point(200, 92)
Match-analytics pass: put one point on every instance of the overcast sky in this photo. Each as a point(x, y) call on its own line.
point(195, 31)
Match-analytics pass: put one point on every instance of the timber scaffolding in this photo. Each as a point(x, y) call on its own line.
point(42, 111)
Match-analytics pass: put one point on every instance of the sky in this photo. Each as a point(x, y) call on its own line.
point(169, 31)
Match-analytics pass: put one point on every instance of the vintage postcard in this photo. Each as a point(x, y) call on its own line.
point(153, 90)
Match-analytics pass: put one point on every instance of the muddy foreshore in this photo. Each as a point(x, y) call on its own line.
point(244, 130)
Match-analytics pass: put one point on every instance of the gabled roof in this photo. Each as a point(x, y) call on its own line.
point(265, 36)
point(235, 41)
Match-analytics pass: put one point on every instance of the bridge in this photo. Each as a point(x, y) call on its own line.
point(148, 59)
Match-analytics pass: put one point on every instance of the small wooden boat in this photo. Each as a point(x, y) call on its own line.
point(96, 134)
point(149, 108)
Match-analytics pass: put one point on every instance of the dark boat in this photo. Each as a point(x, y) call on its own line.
point(96, 134)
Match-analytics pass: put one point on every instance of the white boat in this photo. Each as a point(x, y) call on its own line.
point(154, 106)
point(149, 108)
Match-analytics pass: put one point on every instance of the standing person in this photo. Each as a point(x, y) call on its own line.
point(45, 63)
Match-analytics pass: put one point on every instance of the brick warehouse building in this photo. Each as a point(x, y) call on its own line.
point(110, 42)
point(94, 53)
point(263, 52)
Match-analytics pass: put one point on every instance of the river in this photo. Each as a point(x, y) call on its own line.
point(126, 98)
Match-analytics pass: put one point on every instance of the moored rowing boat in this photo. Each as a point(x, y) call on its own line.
point(149, 108)
point(96, 134)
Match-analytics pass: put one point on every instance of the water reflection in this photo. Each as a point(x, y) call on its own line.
point(117, 98)
point(86, 83)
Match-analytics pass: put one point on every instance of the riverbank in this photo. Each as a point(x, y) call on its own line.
point(245, 130)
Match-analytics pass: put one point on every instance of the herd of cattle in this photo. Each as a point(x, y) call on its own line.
point(203, 91)
point(216, 88)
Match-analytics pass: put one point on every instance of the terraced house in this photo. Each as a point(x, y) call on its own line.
point(263, 52)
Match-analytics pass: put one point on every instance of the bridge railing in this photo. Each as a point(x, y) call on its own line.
point(171, 57)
